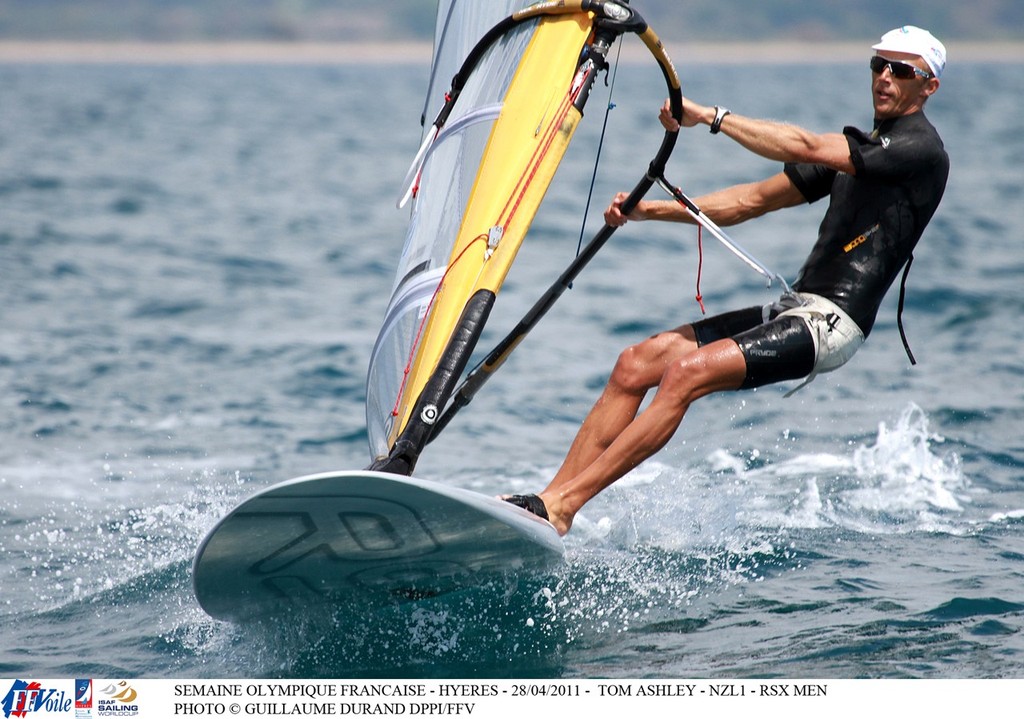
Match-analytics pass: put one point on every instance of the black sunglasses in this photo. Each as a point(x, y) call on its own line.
point(899, 70)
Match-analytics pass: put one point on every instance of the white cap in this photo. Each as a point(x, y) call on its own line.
point(915, 41)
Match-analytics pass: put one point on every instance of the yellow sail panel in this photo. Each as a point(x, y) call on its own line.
point(526, 145)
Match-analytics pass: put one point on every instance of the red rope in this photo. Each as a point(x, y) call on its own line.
point(700, 257)
point(423, 322)
point(513, 202)
point(700, 267)
point(541, 151)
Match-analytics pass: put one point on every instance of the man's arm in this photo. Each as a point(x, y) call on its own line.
point(725, 207)
point(772, 140)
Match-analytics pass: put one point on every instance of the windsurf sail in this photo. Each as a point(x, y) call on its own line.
point(521, 77)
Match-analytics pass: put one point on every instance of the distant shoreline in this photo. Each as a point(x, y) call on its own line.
point(298, 53)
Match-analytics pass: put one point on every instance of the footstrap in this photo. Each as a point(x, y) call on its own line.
point(530, 502)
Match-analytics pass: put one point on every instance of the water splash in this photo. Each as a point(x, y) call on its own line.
point(63, 551)
point(899, 483)
point(508, 628)
point(664, 540)
point(906, 480)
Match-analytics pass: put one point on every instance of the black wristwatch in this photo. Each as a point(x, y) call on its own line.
point(716, 124)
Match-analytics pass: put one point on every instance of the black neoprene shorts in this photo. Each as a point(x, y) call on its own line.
point(777, 350)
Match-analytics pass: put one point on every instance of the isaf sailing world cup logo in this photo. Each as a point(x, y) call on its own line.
point(24, 698)
point(121, 701)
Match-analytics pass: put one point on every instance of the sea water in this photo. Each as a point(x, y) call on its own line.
point(194, 261)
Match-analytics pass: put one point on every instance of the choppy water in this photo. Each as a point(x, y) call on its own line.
point(193, 263)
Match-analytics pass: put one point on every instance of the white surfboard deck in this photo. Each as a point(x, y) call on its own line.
point(326, 538)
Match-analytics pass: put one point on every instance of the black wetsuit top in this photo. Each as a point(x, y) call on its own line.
point(875, 217)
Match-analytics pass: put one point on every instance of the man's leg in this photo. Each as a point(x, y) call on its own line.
point(638, 369)
point(613, 439)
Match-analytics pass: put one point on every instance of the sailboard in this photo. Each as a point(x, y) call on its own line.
point(520, 76)
point(323, 540)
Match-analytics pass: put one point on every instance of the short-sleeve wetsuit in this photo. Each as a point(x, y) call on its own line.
point(873, 222)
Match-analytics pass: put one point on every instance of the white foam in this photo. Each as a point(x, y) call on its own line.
point(897, 483)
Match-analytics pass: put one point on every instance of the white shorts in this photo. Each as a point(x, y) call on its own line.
point(836, 337)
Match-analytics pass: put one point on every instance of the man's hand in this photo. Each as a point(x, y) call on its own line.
point(666, 119)
point(693, 114)
point(613, 215)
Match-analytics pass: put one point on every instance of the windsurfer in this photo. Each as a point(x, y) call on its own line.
point(884, 187)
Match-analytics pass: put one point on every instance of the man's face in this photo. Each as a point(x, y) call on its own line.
point(895, 97)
